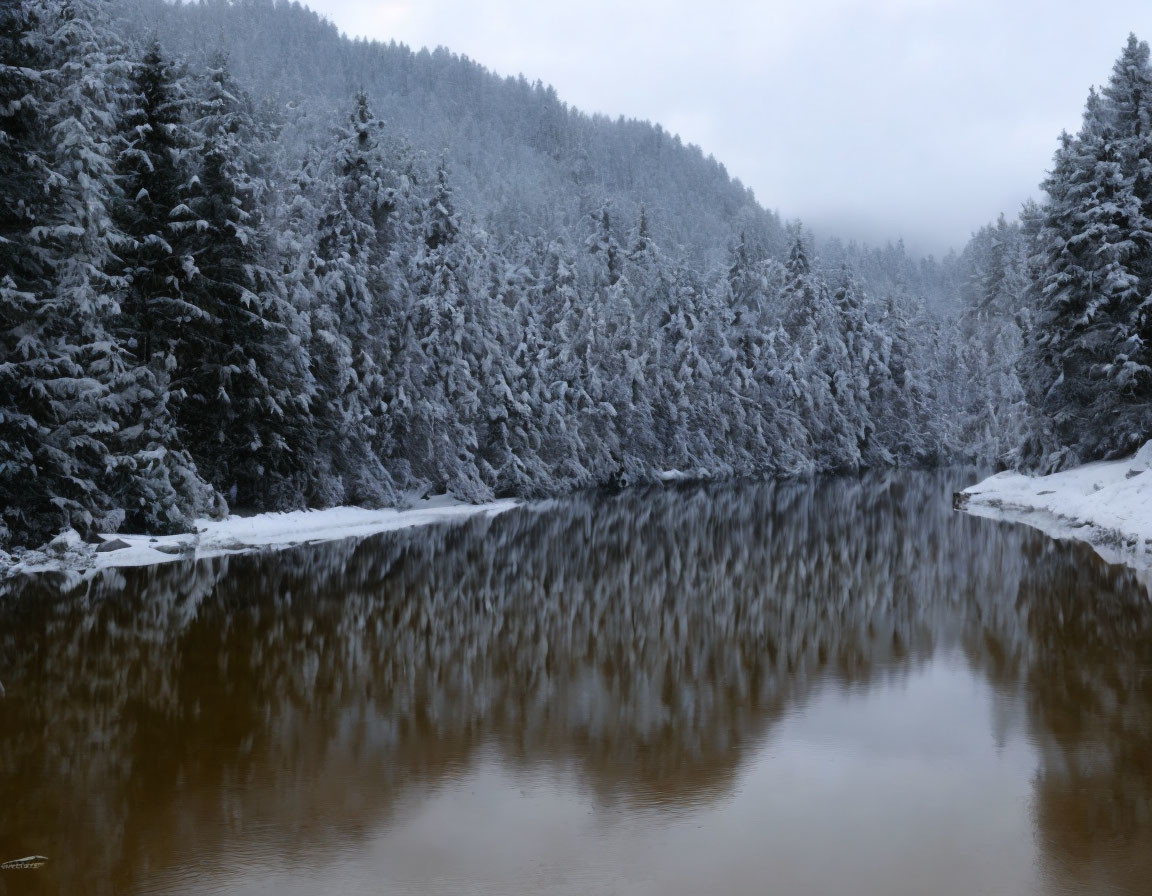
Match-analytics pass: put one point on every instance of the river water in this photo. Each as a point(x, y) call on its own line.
point(836, 687)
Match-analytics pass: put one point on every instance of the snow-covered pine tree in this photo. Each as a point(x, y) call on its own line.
point(962, 395)
point(859, 359)
point(905, 428)
point(782, 435)
point(1127, 370)
point(648, 433)
point(28, 355)
point(716, 416)
point(157, 484)
point(584, 327)
point(153, 163)
point(295, 218)
point(357, 304)
point(518, 412)
point(735, 385)
point(763, 397)
point(690, 420)
point(59, 362)
point(241, 364)
point(438, 407)
point(984, 406)
point(617, 356)
point(818, 363)
point(572, 445)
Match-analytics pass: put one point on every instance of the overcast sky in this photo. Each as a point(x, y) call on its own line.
point(920, 119)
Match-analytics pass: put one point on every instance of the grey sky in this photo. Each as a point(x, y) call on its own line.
point(920, 119)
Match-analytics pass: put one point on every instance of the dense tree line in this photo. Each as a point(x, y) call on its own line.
point(193, 319)
point(200, 309)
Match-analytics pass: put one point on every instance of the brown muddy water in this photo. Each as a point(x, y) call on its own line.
point(839, 687)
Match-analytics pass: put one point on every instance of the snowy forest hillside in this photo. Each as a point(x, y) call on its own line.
point(216, 299)
point(521, 159)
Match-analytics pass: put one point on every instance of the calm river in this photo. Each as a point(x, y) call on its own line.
point(839, 687)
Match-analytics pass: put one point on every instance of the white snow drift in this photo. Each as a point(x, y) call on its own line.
point(1108, 505)
point(235, 534)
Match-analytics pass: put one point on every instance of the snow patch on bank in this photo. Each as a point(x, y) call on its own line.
point(1108, 505)
point(236, 534)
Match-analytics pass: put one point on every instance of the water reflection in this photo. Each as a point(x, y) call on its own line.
point(174, 722)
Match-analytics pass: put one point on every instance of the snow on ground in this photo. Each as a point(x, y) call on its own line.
point(235, 534)
point(1108, 505)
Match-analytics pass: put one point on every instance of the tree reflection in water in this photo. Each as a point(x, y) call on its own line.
point(649, 640)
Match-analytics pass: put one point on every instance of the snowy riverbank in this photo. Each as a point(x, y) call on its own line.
point(236, 534)
point(1108, 505)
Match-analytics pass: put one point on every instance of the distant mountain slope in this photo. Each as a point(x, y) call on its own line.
point(521, 158)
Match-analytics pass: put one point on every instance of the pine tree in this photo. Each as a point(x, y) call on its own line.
point(158, 484)
point(572, 422)
point(153, 165)
point(357, 303)
point(60, 364)
point(764, 398)
point(438, 409)
point(618, 353)
point(517, 408)
point(28, 359)
point(818, 363)
point(859, 365)
point(901, 395)
point(984, 404)
point(690, 420)
point(240, 362)
point(296, 221)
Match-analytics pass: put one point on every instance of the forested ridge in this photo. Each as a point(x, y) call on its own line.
point(216, 300)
